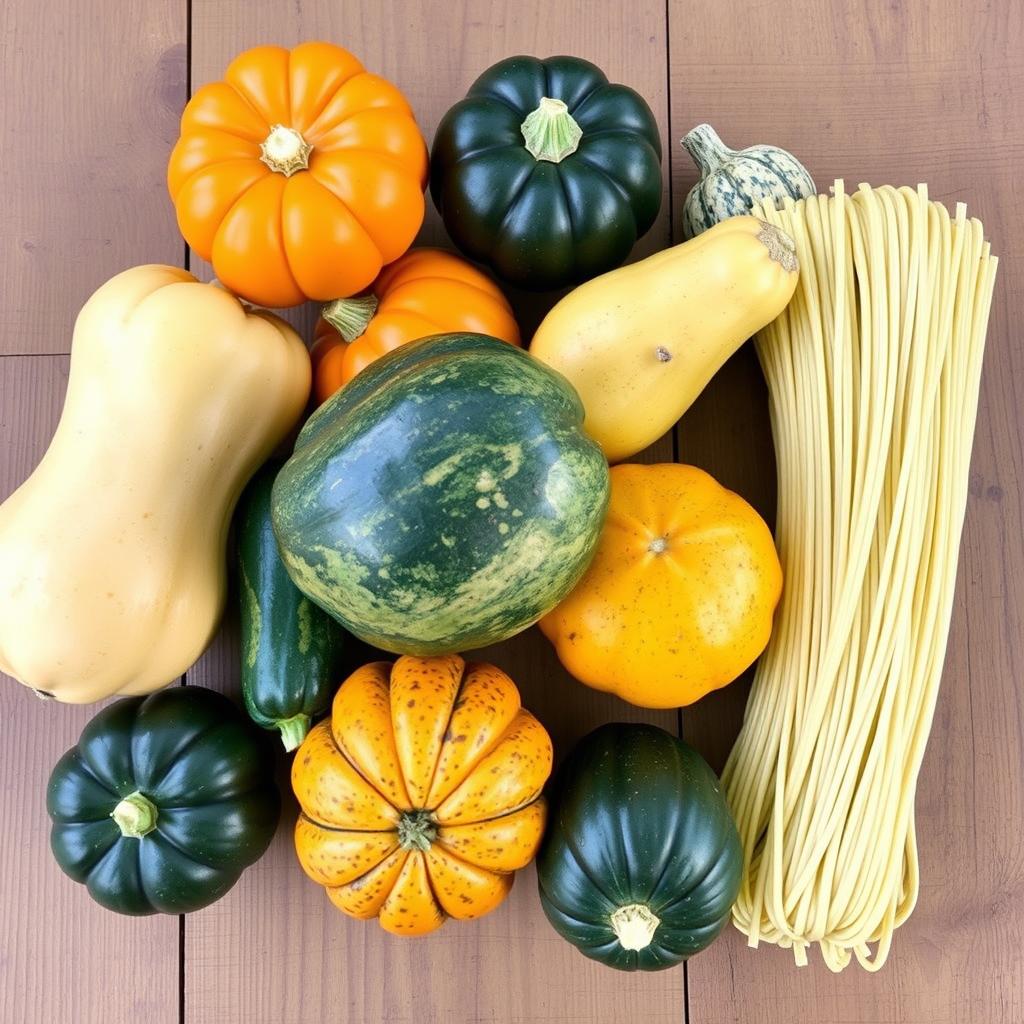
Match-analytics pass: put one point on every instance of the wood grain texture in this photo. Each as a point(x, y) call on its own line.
point(870, 90)
point(90, 103)
point(510, 966)
point(63, 959)
point(891, 93)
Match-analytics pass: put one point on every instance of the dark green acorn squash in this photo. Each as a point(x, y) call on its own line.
point(290, 648)
point(444, 499)
point(641, 862)
point(546, 171)
point(163, 802)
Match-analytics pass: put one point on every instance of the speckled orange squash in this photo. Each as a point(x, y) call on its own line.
point(299, 175)
point(420, 795)
point(679, 598)
point(424, 292)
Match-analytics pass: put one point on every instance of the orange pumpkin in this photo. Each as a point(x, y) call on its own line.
point(680, 595)
point(426, 291)
point(420, 795)
point(299, 175)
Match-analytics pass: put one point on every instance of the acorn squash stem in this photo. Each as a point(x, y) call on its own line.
point(135, 816)
point(706, 148)
point(293, 730)
point(550, 132)
point(634, 926)
point(350, 317)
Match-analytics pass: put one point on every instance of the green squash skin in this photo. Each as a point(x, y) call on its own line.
point(445, 499)
point(636, 816)
point(290, 648)
point(192, 753)
point(539, 224)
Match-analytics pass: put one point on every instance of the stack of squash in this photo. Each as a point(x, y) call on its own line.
point(450, 490)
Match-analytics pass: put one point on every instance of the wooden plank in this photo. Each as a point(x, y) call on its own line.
point(891, 93)
point(90, 108)
point(510, 966)
point(63, 959)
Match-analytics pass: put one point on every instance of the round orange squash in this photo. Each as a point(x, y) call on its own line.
point(679, 598)
point(299, 175)
point(420, 795)
point(424, 292)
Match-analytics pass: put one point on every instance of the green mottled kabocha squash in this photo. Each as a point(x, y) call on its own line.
point(733, 181)
point(290, 648)
point(163, 802)
point(445, 499)
point(641, 862)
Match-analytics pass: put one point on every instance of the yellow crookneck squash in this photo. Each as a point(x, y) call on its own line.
point(640, 343)
point(112, 553)
point(420, 795)
point(679, 598)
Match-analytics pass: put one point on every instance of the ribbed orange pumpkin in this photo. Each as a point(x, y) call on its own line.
point(426, 291)
point(299, 175)
point(420, 796)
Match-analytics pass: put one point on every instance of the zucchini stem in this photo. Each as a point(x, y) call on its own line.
point(135, 816)
point(293, 730)
point(350, 317)
point(550, 132)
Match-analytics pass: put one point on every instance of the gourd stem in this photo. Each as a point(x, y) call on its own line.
point(706, 148)
point(135, 816)
point(634, 926)
point(293, 730)
point(550, 132)
point(350, 317)
point(416, 830)
point(285, 151)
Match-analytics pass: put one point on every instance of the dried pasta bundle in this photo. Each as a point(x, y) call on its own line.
point(873, 373)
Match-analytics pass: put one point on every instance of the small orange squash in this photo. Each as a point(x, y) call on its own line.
point(299, 175)
point(679, 598)
point(420, 795)
point(426, 291)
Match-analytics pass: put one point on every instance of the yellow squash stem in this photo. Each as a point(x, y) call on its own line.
point(350, 317)
point(285, 151)
point(135, 816)
point(634, 926)
point(550, 132)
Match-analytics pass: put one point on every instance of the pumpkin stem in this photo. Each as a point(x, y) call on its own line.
point(780, 246)
point(135, 816)
point(416, 830)
point(551, 133)
point(350, 317)
point(285, 151)
point(634, 926)
point(293, 730)
point(706, 148)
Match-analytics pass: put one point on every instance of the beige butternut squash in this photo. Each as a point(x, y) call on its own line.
point(112, 553)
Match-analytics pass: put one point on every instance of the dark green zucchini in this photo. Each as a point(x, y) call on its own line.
point(290, 647)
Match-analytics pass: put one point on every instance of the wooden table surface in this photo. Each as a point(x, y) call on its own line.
point(886, 91)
